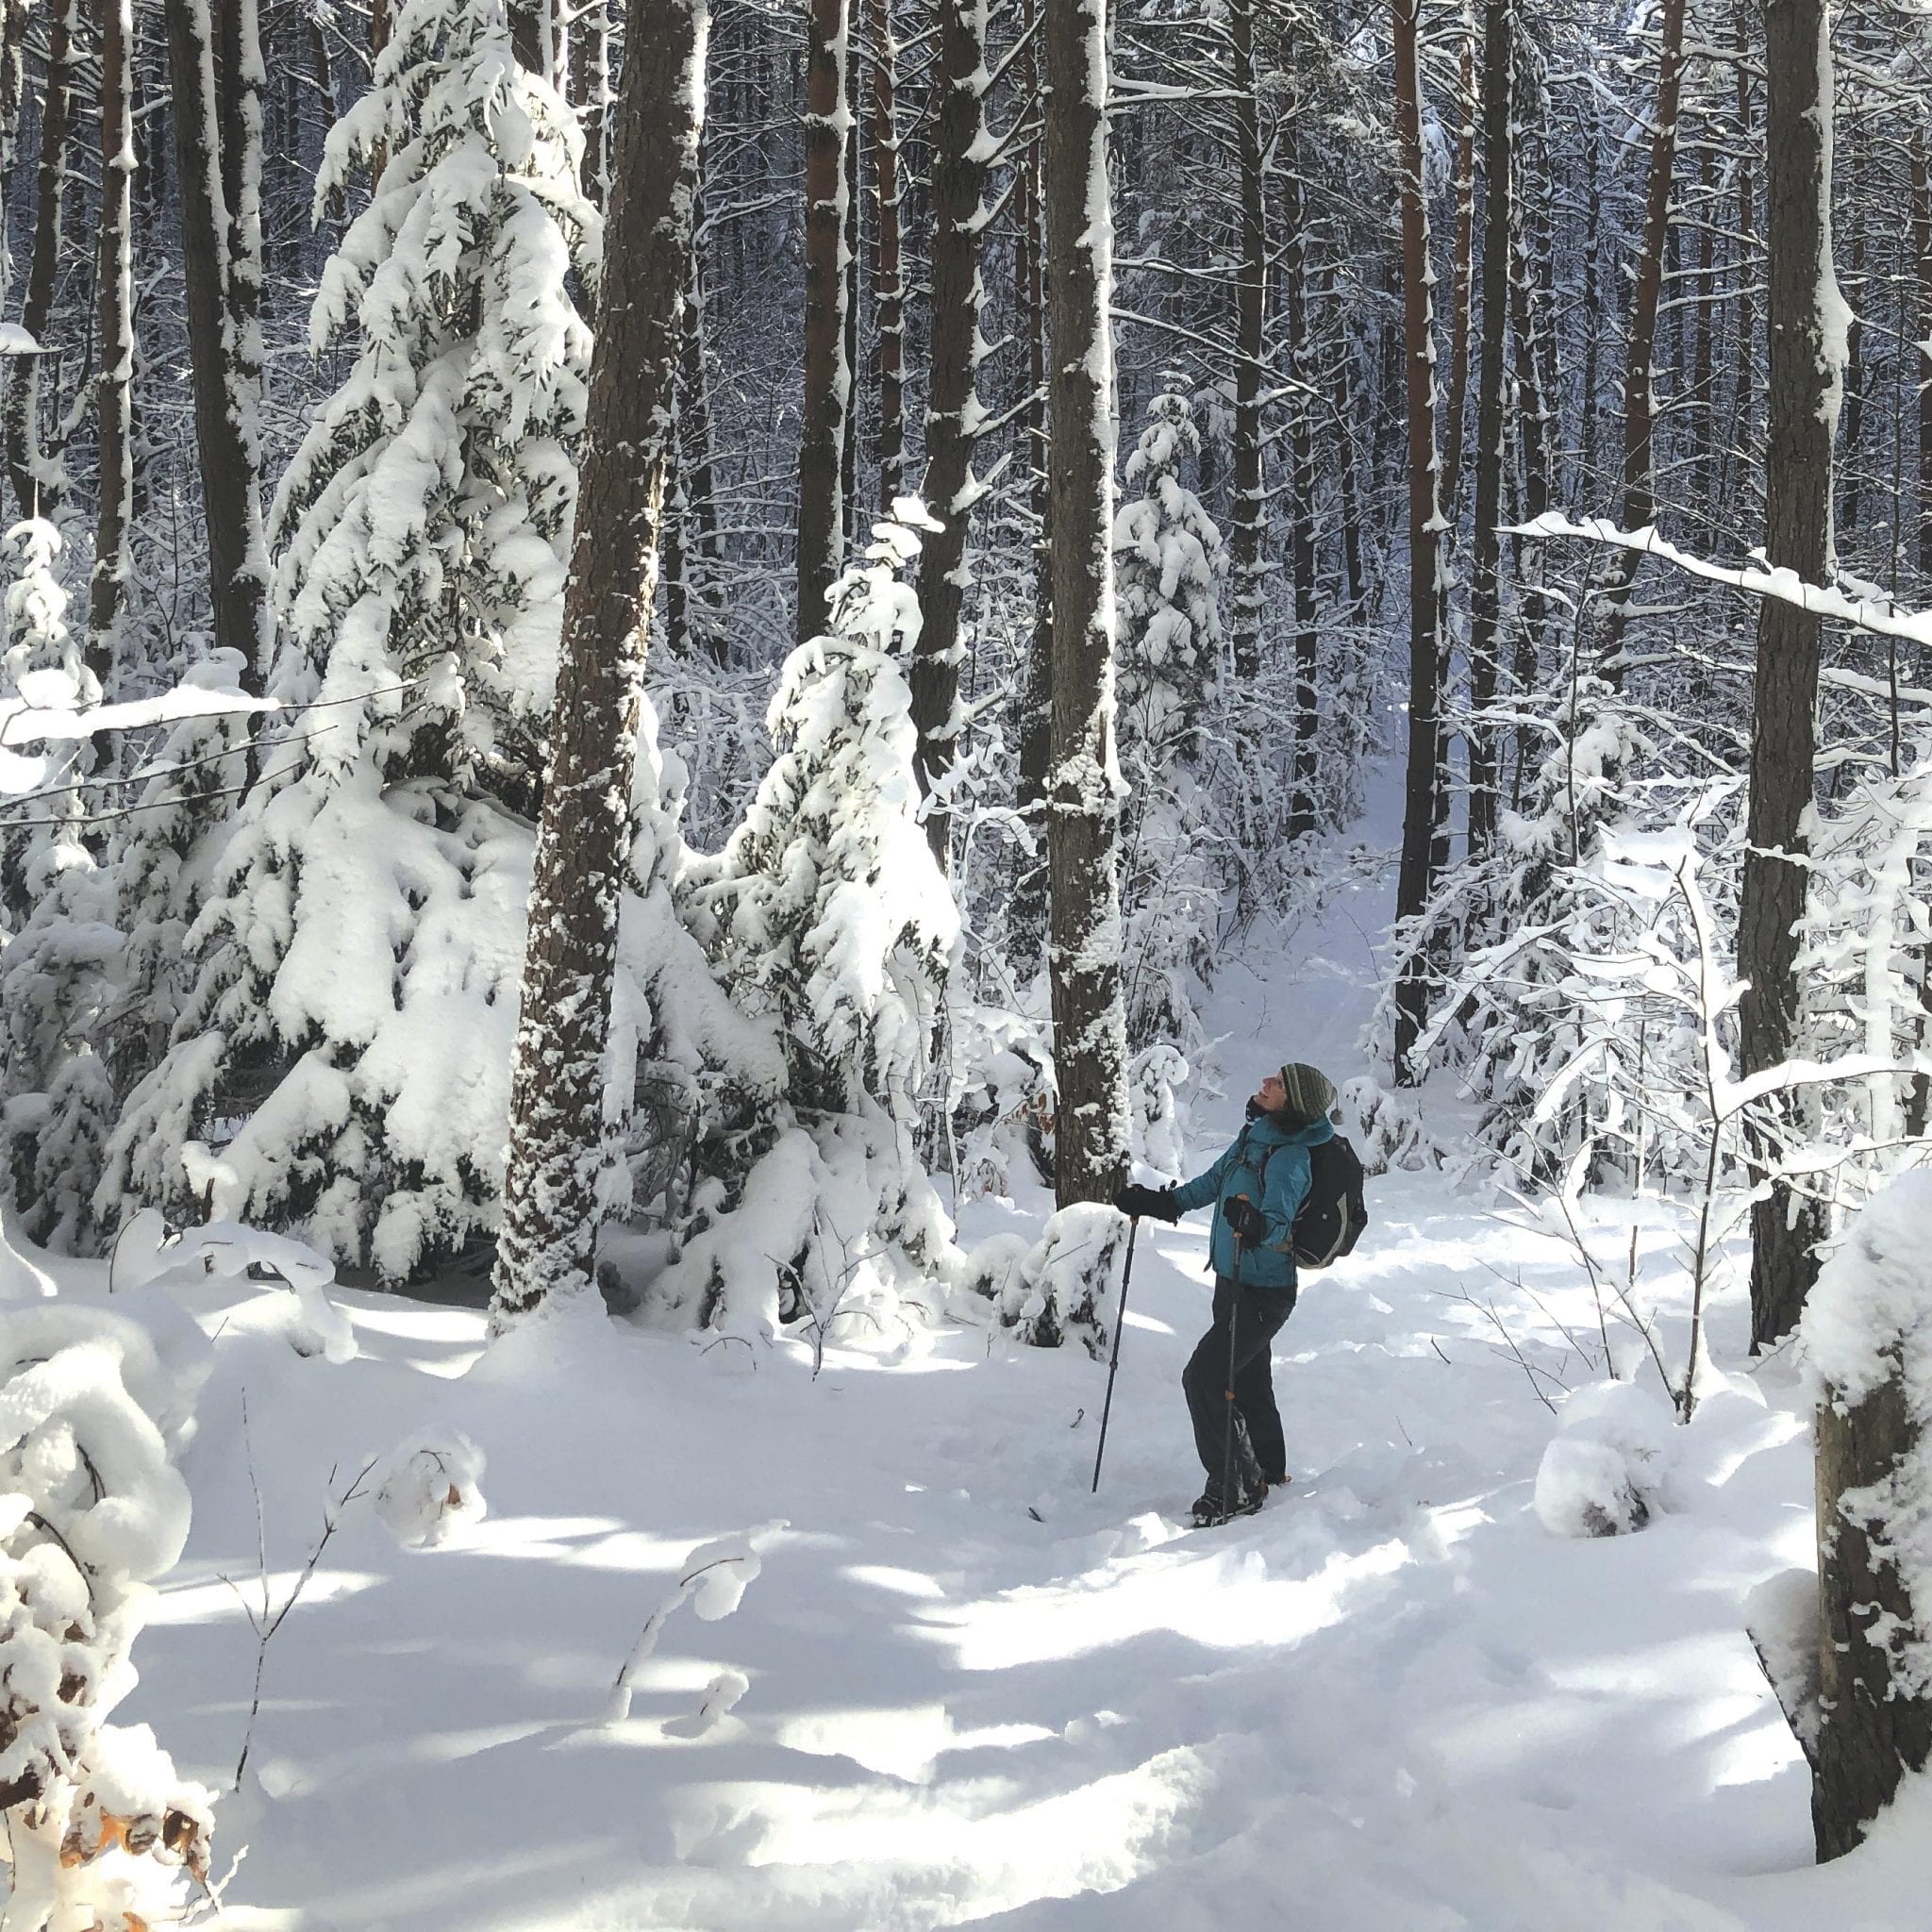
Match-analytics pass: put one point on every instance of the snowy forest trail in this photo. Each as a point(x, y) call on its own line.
point(1391, 1700)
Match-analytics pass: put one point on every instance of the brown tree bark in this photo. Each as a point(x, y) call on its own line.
point(550, 1215)
point(1486, 597)
point(590, 82)
point(223, 432)
point(1804, 338)
point(1463, 261)
point(113, 392)
point(888, 288)
point(828, 382)
point(1871, 1729)
point(1088, 1017)
point(952, 408)
point(1030, 911)
point(23, 418)
point(1421, 802)
point(1301, 527)
point(852, 253)
point(1248, 533)
point(1639, 391)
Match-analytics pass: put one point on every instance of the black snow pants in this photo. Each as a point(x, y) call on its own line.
point(1258, 1450)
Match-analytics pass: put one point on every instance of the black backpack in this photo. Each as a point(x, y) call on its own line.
point(1333, 1214)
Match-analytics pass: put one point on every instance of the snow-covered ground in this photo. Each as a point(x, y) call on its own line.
point(975, 1692)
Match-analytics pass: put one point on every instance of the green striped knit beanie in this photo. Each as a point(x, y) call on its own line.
point(1310, 1092)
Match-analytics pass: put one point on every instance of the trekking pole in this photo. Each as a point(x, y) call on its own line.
point(1114, 1367)
point(1234, 1323)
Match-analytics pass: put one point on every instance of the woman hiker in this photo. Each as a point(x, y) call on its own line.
point(1257, 1187)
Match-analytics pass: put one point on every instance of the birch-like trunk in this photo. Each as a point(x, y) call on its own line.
point(113, 391)
point(23, 415)
point(827, 380)
point(550, 1215)
point(1422, 801)
point(1486, 598)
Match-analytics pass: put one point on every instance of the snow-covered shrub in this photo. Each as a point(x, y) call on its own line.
point(1605, 1472)
point(1169, 566)
point(713, 1580)
point(1865, 965)
point(357, 966)
point(1066, 1284)
point(1386, 1127)
point(1161, 1117)
point(427, 1489)
point(92, 1511)
point(1001, 1098)
point(831, 923)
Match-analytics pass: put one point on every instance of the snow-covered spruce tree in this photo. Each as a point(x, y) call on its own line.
point(55, 1102)
point(1169, 566)
point(356, 965)
point(830, 918)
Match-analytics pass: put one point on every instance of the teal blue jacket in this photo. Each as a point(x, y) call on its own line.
point(1264, 1142)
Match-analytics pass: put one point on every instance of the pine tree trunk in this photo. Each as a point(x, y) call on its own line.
point(1029, 912)
point(1088, 1019)
point(1249, 528)
point(220, 360)
point(113, 289)
point(1872, 1728)
point(1803, 407)
point(1486, 601)
point(852, 254)
point(828, 385)
point(888, 288)
point(589, 69)
point(952, 408)
point(550, 1215)
point(1422, 803)
point(1301, 529)
point(1449, 490)
point(1922, 250)
point(1639, 390)
point(23, 423)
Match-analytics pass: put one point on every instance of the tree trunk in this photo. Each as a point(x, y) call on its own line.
point(223, 422)
point(13, 18)
point(888, 288)
point(1248, 534)
point(851, 254)
point(36, 308)
point(1486, 601)
point(1088, 1019)
point(827, 382)
point(1029, 912)
point(1449, 489)
point(953, 406)
point(1639, 391)
point(1922, 250)
point(590, 64)
point(114, 292)
point(1422, 803)
point(550, 1214)
point(1872, 1728)
point(1301, 537)
point(1806, 317)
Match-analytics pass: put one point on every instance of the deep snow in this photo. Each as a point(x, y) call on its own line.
point(965, 1690)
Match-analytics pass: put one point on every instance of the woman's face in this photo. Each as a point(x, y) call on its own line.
point(1271, 1093)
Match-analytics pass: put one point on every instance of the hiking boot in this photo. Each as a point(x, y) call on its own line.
point(1208, 1509)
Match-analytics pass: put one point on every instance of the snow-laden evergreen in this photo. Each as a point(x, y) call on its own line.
point(343, 1057)
point(1169, 569)
point(830, 921)
point(58, 968)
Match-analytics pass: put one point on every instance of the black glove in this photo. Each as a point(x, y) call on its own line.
point(1134, 1201)
point(1245, 1219)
